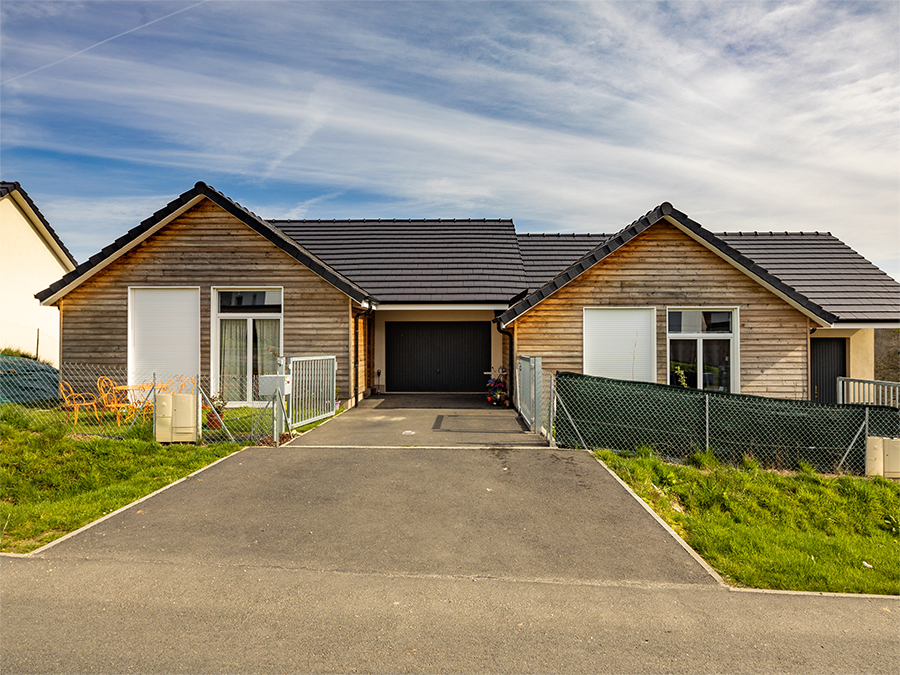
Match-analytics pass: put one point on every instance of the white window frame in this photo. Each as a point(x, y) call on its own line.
point(216, 335)
point(734, 336)
point(133, 375)
point(653, 338)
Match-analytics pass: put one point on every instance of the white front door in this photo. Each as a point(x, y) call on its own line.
point(163, 333)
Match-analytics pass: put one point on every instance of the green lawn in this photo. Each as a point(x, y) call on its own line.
point(765, 529)
point(52, 483)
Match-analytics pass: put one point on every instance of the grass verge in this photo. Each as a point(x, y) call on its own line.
point(52, 483)
point(764, 529)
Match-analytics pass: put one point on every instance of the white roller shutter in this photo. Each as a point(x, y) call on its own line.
point(620, 343)
point(163, 333)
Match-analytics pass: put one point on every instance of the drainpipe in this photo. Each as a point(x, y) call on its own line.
point(356, 348)
point(512, 352)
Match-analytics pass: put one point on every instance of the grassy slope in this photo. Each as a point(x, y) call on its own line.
point(803, 532)
point(51, 484)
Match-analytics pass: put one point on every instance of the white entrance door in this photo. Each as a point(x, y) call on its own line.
point(620, 343)
point(163, 333)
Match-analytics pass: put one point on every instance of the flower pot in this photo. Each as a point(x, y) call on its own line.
point(212, 420)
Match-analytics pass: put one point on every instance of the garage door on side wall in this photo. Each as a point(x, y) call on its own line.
point(432, 356)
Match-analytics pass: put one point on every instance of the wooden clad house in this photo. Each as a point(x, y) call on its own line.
point(201, 277)
point(666, 301)
point(205, 286)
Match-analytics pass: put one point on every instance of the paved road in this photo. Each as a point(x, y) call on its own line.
point(341, 559)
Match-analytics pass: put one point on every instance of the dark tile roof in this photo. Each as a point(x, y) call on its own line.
point(664, 210)
point(824, 269)
point(7, 187)
point(419, 261)
point(546, 255)
point(249, 218)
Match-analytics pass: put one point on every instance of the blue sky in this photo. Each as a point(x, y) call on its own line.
point(748, 116)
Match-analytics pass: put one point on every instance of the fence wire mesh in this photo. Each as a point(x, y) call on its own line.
point(596, 412)
point(101, 401)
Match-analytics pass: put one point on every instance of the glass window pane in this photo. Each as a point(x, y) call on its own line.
point(683, 363)
point(266, 348)
point(716, 365)
point(233, 359)
point(250, 301)
point(716, 322)
point(675, 322)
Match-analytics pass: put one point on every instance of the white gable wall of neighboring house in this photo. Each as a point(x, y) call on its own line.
point(28, 264)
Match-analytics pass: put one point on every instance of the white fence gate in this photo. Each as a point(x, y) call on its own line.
point(528, 390)
point(313, 389)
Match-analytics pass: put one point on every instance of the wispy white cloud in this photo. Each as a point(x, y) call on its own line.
point(768, 116)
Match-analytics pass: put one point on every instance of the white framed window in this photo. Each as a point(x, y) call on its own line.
point(247, 332)
point(620, 343)
point(703, 348)
point(163, 333)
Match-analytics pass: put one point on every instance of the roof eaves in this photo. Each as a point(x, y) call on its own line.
point(285, 243)
point(742, 262)
point(120, 246)
point(604, 250)
point(173, 209)
point(14, 189)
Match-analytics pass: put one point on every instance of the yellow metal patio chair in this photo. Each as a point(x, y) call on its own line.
point(73, 402)
point(112, 398)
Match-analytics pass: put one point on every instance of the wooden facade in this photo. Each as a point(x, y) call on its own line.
point(662, 268)
point(206, 247)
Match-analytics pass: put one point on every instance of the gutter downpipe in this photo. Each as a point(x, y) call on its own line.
point(512, 351)
point(356, 349)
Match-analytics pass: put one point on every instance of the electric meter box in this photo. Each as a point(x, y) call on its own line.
point(176, 418)
point(892, 457)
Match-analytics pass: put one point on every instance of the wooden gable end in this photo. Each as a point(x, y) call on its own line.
point(205, 247)
point(663, 267)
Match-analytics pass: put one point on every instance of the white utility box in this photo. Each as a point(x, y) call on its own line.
point(892, 457)
point(176, 418)
point(874, 456)
point(269, 384)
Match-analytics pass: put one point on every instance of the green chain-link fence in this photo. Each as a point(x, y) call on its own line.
point(596, 412)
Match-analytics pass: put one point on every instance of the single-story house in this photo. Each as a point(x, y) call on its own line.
point(205, 286)
point(31, 256)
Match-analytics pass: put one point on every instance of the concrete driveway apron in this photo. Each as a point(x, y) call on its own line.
point(458, 555)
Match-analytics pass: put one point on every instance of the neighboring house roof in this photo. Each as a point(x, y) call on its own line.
point(667, 212)
point(546, 255)
point(419, 261)
point(66, 258)
point(824, 269)
point(171, 211)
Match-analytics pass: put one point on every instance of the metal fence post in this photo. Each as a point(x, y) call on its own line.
point(707, 421)
point(536, 387)
point(551, 423)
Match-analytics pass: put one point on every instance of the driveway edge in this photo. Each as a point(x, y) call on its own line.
point(118, 510)
point(681, 542)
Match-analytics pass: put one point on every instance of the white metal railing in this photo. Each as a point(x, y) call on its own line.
point(528, 390)
point(873, 392)
point(313, 389)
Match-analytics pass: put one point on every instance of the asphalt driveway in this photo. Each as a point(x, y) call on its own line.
point(458, 557)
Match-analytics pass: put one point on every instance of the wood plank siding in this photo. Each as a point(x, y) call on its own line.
point(206, 247)
point(664, 268)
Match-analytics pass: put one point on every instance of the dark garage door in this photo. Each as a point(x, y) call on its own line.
point(437, 355)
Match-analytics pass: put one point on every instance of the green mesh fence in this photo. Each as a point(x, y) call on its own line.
point(676, 422)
